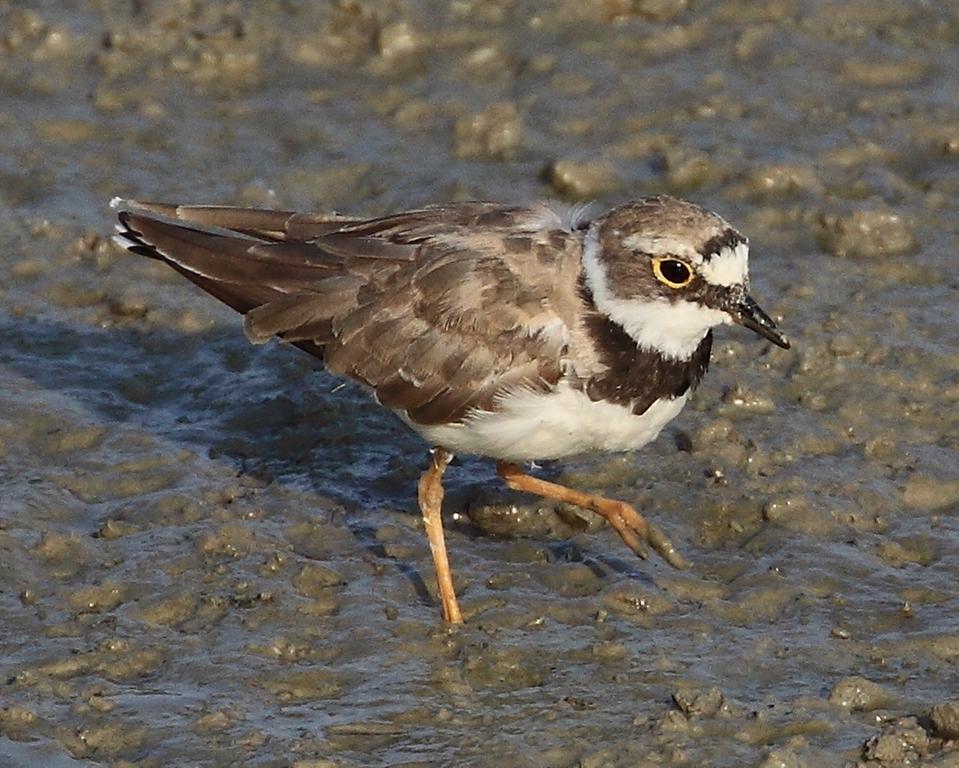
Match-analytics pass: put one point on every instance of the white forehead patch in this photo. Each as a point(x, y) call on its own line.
point(658, 245)
point(728, 267)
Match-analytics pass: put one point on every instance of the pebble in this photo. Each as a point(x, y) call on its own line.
point(496, 133)
point(699, 703)
point(230, 539)
point(397, 40)
point(859, 694)
point(98, 599)
point(103, 741)
point(301, 685)
point(781, 179)
point(633, 600)
point(783, 758)
point(945, 719)
point(170, 611)
point(885, 74)
point(922, 491)
point(866, 233)
point(316, 580)
point(576, 180)
point(902, 743)
point(744, 401)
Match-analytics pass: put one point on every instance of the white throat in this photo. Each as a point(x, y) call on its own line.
point(674, 329)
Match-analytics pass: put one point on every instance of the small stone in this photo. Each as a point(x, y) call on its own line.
point(915, 550)
point(73, 439)
point(500, 515)
point(866, 233)
point(693, 702)
point(128, 305)
point(488, 62)
point(171, 611)
point(16, 717)
point(28, 268)
point(659, 10)
point(858, 694)
point(104, 741)
point(904, 743)
point(229, 539)
point(780, 507)
point(782, 179)
point(315, 580)
point(330, 184)
point(740, 400)
point(885, 73)
point(395, 40)
point(66, 131)
point(884, 447)
point(924, 492)
point(945, 719)
point(632, 600)
point(298, 686)
point(496, 133)
point(573, 84)
point(505, 668)
point(687, 170)
point(782, 758)
point(218, 720)
point(98, 599)
point(671, 39)
point(581, 181)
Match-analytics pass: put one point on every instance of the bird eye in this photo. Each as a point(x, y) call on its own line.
point(673, 272)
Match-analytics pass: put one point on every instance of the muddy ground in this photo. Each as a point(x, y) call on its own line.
point(210, 553)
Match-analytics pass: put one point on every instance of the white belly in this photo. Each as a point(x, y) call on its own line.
point(528, 426)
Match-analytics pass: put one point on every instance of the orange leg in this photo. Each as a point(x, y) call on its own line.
point(632, 527)
point(431, 503)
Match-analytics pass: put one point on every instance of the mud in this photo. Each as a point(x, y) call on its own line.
point(210, 553)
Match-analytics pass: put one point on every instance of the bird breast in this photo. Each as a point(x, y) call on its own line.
point(528, 425)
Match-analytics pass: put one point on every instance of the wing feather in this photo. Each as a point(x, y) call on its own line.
point(422, 306)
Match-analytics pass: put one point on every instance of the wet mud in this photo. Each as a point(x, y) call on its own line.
point(210, 552)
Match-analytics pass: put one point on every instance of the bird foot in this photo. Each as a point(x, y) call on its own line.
point(634, 529)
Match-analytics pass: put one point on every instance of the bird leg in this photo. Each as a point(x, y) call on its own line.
point(631, 526)
point(431, 503)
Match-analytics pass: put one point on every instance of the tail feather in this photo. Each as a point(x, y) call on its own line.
point(229, 257)
point(261, 223)
point(285, 287)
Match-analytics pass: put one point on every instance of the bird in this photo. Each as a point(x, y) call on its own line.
point(516, 333)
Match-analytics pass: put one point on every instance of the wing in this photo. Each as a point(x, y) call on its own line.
point(432, 309)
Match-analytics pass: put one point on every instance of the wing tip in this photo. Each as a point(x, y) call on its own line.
point(125, 236)
point(118, 203)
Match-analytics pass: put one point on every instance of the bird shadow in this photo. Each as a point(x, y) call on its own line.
point(270, 412)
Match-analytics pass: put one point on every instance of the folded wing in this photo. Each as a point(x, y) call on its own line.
point(421, 306)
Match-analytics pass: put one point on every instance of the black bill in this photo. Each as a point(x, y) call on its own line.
point(749, 314)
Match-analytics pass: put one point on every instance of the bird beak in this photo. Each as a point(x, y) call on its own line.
point(749, 314)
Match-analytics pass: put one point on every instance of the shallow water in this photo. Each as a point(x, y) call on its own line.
point(210, 553)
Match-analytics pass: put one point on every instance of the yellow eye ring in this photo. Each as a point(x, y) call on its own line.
point(675, 273)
